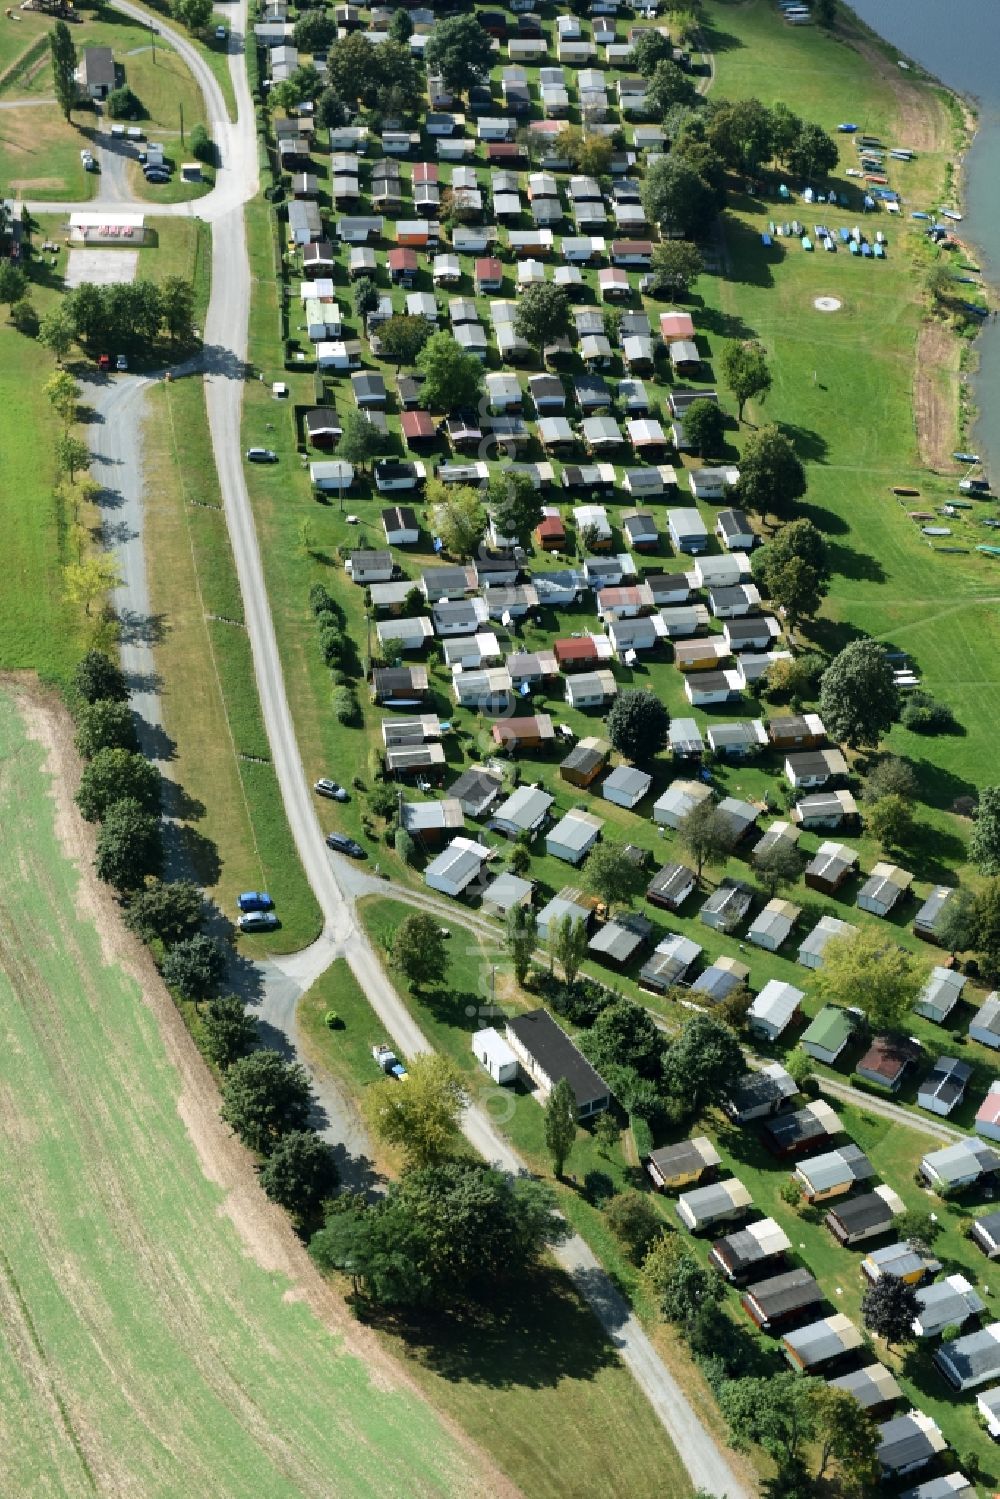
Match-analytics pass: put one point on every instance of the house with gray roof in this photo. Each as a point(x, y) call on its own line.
point(972, 1360)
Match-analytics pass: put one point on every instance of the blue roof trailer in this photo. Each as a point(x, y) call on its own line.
point(807, 243)
point(854, 247)
point(766, 241)
point(845, 234)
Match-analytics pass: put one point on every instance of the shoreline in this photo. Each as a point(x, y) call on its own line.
point(966, 407)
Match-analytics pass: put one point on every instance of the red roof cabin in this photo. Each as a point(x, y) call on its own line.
point(576, 653)
point(417, 427)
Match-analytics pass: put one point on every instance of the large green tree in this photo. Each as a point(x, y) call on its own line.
point(858, 698)
point(419, 951)
point(452, 378)
point(229, 1031)
point(674, 265)
point(771, 476)
point(705, 427)
point(637, 724)
point(521, 933)
point(195, 966)
point(774, 1412)
point(744, 371)
point(705, 834)
point(567, 944)
point(560, 1124)
point(459, 518)
point(105, 725)
point(677, 198)
point(420, 1115)
point(813, 155)
point(984, 842)
point(741, 131)
point(542, 314)
point(402, 336)
point(300, 1174)
point(869, 970)
point(613, 875)
point(360, 439)
point(625, 1035)
point(442, 1236)
point(114, 774)
point(459, 51)
point(702, 1063)
point(668, 86)
point(129, 846)
point(514, 504)
point(64, 61)
point(97, 677)
point(265, 1097)
point(166, 911)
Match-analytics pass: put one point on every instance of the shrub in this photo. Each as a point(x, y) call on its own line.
point(123, 104)
point(404, 846)
point(345, 707)
point(320, 601)
point(791, 1192)
point(331, 643)
point(383, 800)
point(202, 145)
point(24, 317)
point(923, 715)
point(333, 1021)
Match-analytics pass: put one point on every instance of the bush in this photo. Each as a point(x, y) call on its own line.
point(331, 643)
point(383, 800)
point(24, 317)
point(643, 1137)
point(320, 601)
point(923, 715)
point(345, 707)
point(404, 845)
point(333, 1021)
point(202, 146)
point(124, 105)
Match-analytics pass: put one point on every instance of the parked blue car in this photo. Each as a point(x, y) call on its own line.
point(254, 900)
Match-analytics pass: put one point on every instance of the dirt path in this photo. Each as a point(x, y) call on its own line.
point(264, 1230)
point(935, 395)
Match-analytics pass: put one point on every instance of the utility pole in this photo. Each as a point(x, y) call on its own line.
point(181, 109)
point(152, 38)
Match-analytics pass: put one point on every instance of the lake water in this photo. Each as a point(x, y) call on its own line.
point(959, 42)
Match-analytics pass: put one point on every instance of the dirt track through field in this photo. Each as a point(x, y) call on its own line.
point(162, 1331)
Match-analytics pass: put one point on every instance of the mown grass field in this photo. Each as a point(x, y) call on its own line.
point(534, 1382)
point(235, 828)
point(146, 1346)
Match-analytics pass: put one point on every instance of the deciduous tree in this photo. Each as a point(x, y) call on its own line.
point(778, 866)
point(13, 283)
point(300, 1174)
point(459, 518)
point(871, 971)
point(890, 776)
point(98, 678)
point(166, 911)
point(402, 337)
point(265, 1097)
point(984, 842)
point(57, 331)
point(514, 503)
point(72, 454)
point(890, 820)
point(421, 1115)
point(177, 301)
point(542, 314)
point(702, 1063)
point(228, 1031)
point(88, 581)
point(888, 1308)
point(705, 427)
point(775, 1413)
point(63, 393)
point(360, 439)
point(637, 724)
point(958, 924)
point(195, 967)
point(705, 834)
point(459, 52)
point(567, 944)
point(114, 775)
point(560, 1124)
point(745, 372)
point(194, 14)
point(129, 846)
point(771, 476)
point(522, 938)
point(418, 950)
point(668, 85)
point(847, 1438)
point(859, 699)
point(674, 265)
point(105, 724)
point(613, 876)
point(634, 1221)
point(452, 378)
point(678, 198)
point(64, 63)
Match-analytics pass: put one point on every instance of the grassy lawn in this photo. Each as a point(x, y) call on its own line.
point(40, 152)
point(103, 1187)
point(536, 1383)
point(234, 823)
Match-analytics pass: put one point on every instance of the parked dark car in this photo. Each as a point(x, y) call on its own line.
point(345, 845)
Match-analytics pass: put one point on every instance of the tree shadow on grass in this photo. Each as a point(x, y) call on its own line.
point(747, 257)
point(940, 787)
point(859, 566)
point(538, 1338)
point(809, 445)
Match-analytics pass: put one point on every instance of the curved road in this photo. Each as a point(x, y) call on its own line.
point(225, 339)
